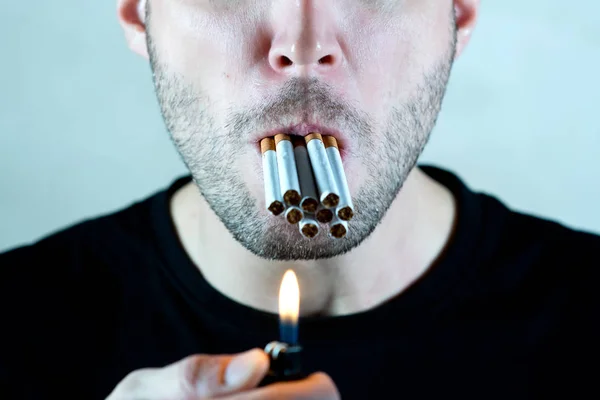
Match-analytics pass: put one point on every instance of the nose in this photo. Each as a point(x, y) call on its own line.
point(305, 39)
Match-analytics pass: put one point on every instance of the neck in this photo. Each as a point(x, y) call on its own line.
point(404, 246)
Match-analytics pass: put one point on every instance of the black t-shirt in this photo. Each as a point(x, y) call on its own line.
point(508, 312)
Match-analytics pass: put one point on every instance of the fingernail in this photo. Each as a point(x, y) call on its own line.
point(241, 368)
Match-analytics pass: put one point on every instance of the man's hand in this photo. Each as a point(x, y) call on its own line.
point(226, 377)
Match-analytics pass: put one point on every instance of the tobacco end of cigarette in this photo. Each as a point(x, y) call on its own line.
point(292, 198)
point(280, 137)
point(314, 135)
point(324, 216)
point(331, 200)
point(298, 141)
point(310, 230)
point(345, 213)
point(310, 205)
point(338, 231)
point(330, 141)
point(276, 208)
point(294, 216)
point(267, 144)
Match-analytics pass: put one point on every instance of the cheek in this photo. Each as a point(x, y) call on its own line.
point(397, 55)
point(253, 175)
point(356, 173)
point(194, 44)
point(384, 74)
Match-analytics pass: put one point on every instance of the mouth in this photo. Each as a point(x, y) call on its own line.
point(303, 130)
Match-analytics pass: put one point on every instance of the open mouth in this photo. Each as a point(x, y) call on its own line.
point(303, 130)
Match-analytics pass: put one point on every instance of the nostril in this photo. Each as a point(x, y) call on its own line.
point(284, 62)
point(326, 60)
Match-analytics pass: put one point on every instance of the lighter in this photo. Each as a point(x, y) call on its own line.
point(285, 355)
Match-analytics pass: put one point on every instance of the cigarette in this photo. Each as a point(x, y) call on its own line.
point(273, 198)
point(308, 188)
point(328, 194)
point(345, 208)
point(288, 175)
point(309, 228)
point(324, 215)
point(294, 215)
point(338, 228)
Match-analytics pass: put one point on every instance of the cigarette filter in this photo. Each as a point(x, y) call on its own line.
point(309, 228)
point(288, 175)
point(273, 197)
point(338, 228)
point(308, 188)
point(345, 208)
point(328, 193)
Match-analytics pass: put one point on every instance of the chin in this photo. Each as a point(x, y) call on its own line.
point(281, 241)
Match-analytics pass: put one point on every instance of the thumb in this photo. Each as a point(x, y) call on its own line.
point(221, 375)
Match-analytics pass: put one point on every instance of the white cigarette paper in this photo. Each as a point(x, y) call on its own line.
point(328, 193)
point(345, 209)
point(288, 175)
point(273, 198)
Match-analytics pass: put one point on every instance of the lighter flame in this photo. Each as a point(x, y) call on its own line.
point(289, 298)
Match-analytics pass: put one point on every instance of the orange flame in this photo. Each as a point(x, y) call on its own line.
point(289, 298)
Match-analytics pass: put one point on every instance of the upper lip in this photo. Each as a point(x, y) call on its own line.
point(304, 129)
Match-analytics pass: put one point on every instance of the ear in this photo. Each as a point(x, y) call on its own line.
point(132, 16)
point(466, 12)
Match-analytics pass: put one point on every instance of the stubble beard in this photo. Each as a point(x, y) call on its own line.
point(208, 150)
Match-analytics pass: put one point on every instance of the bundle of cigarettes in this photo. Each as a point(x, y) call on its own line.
point(305, 181)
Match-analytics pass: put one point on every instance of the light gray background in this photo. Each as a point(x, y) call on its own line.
point(81, 134)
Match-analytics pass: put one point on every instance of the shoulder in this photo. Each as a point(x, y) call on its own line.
point(62, 294)
point(538, 261)
point(75, 261)
point(568, 257)
point(67, 248)
point(55, 295)
point(518, 234)
point(113, 237)
point(504, 240)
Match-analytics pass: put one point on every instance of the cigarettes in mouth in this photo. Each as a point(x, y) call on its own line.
point(308, 188)
point(288, 174)
point(309, 228)
point(294, 215)
point(345, 208)
point(273, 197)
point(328, 193)
point(338, 228)
point(305, 180)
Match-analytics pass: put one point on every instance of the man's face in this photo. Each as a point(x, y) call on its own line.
point(231, 72)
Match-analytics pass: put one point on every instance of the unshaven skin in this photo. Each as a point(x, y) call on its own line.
point(368, 71)
point(371, 73)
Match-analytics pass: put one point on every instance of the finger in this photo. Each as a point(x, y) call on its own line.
point(242, 372)
point(197, 377)
point(317, 386)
